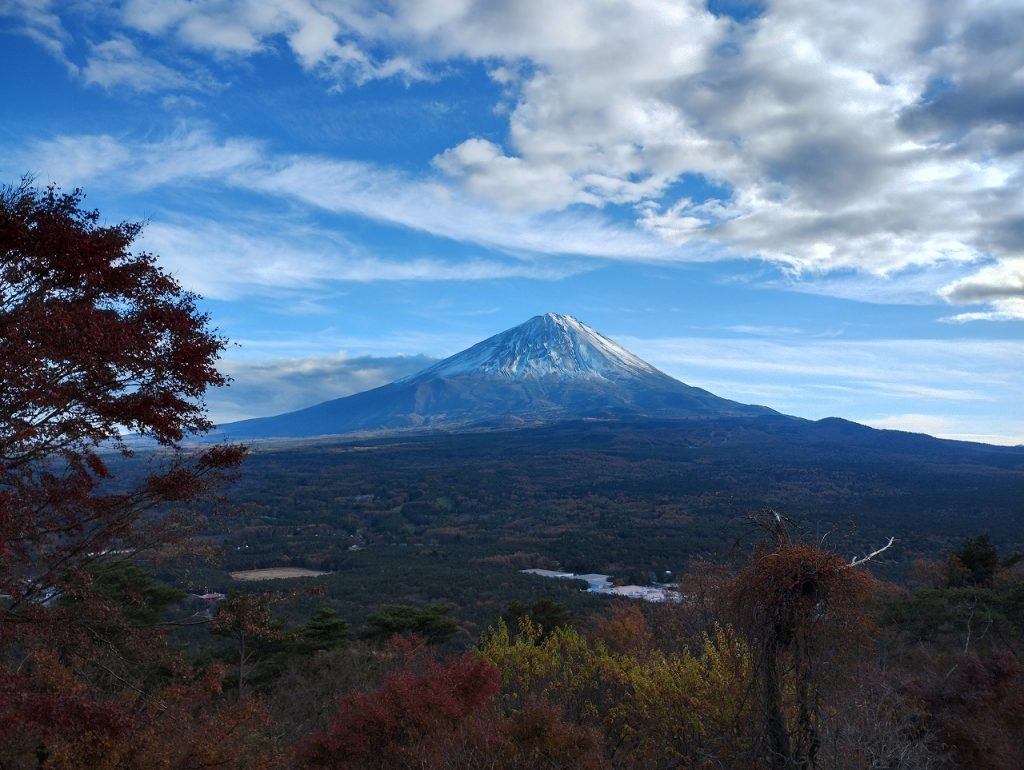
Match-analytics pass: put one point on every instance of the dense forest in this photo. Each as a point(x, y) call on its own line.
point(843, 601)
point(453, 517)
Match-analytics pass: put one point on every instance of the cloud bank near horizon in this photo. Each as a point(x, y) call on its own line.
point(278, 385)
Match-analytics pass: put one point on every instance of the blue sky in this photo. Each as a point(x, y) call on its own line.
point(818, 206)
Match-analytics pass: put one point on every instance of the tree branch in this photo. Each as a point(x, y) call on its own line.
point(855, 562)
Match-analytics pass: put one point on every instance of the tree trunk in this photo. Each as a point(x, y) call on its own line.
point(771, 700)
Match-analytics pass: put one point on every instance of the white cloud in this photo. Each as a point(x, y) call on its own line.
point(118, 63)
point(918, 285)
point(1000, 310)
point(1004, 280)
point(952, 427)
point(1000, 286)
point(818, 120)
point(37, 20)
point(185, 157)
point(802, 114)
point(486, 173)
point(316, 33)
point(193, 158)
point(223, 262)
point(277, 385)
point(427, 205)
point(960, 361)
point(815, 378)
point(870, 137)
point(226, 260)
point(914, 423)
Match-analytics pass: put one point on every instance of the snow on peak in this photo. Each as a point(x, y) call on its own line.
point(546, 345)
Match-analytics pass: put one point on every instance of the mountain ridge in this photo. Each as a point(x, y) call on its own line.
point(551, 367)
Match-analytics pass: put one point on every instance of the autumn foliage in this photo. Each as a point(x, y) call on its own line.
point(95, 341)
point(411, 715)
point(448, 715)
point(803, 611)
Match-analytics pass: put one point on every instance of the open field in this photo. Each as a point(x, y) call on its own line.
point(276, 573)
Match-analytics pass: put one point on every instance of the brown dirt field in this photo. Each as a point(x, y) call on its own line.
point(275, 573)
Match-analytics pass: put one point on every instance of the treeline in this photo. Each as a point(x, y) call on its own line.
point(627, 498)
point(791, 658)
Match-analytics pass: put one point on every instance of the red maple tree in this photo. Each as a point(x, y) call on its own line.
point(447, 715)
point(95, 342)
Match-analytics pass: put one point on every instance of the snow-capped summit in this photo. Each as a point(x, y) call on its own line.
point(550, 368)
point(550, 345)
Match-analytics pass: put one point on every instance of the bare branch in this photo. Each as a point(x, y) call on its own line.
point(855, 562)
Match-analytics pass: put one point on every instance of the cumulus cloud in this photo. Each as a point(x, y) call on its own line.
point(826, 125)
point(486, 172)
point(322, 37)
point(1004, 280)
point(999, 285)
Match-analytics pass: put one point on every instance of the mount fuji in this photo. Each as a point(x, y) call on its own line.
point(549, 369)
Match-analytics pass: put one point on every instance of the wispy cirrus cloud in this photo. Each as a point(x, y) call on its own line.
point(184, 157)
point(950, 427)
point(962, 361)
point(810, 376)
point(118, 63)
point(229, 260)
point(194, 158)
point(915, 423)
point(430, 205)
point(40, 21)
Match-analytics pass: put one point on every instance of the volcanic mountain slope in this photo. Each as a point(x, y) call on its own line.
point(551, 368)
